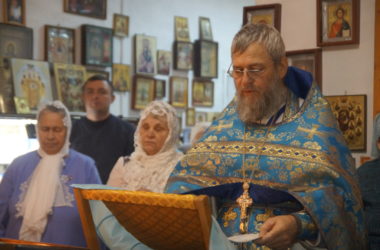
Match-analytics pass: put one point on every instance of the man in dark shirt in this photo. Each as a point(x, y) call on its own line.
point(100, 134)
point(370, 187)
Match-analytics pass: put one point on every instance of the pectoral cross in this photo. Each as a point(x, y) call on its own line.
point(311, 132)
point(244, 202)
point(221, 126)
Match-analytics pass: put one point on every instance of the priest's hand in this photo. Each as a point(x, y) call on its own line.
point(279, 232)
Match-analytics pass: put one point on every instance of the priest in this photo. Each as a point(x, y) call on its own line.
point(275, 159)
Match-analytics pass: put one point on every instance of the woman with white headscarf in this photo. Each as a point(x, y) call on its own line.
point(148, 169)
point(155, 155)
point(36, 200)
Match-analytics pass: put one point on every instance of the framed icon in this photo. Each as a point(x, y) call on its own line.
point(145, 54)
point(7, 104)
point(31, 80)
point(183, 55)
point(309, 60)
point(16, 41)
point(142, 91)
point(69, 79)
point(178, 91)
point(268, 13)
point(164, 61)
point(205, 32)
point(97, 45)
point(93, 8)
point(14, 12)
point(203, 93)
point(190, 117)
point(160, 89)
point(120, 25)
point(351, 113)
point(181, 27)
point(206, 59)
point(338, 22)
point(121, 77)
point(22, 106)
point(59, 44)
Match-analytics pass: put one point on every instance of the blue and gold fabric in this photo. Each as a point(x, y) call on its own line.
point(299, 166)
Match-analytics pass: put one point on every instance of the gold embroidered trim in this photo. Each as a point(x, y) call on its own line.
point(270, 149)
point(205, 181)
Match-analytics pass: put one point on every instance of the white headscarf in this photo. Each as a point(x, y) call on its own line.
point(152, 171)
point(44, 189)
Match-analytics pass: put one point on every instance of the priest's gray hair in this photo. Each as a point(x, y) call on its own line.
point(261, 33)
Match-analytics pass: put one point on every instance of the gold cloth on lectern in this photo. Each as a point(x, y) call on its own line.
point(160, 221)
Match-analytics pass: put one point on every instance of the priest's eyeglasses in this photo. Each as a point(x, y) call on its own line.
point(239, 73)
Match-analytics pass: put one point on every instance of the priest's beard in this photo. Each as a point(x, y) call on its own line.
point(264, 103)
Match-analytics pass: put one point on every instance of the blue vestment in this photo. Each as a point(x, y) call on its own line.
point(299, 166)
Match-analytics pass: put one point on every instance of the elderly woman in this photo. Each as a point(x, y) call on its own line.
point(156, 137)
point(148, 169)
point(36, 200)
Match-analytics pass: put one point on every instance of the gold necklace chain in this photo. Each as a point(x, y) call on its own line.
point(260, 149)
point(245, 201)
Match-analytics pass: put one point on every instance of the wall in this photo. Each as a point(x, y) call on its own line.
point(347, 69)
point(225, 16)
point(150, 17)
